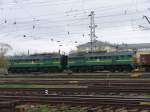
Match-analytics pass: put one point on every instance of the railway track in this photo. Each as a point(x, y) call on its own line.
point(61, 91)
point(77, 75)
point(74, 91)
point(38, 87)
point(76, 81)
point(86, 83)
point(82, 100)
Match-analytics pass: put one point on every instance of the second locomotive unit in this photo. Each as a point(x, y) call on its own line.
point(109, 61)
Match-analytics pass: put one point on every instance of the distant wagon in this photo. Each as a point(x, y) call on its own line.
point(145, 61)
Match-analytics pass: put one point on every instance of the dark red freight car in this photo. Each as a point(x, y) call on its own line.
point(145, 61)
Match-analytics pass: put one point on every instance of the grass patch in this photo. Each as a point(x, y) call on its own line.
point(45, 108)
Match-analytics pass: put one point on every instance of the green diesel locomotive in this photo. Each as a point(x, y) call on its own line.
point(36, 63)
point(113, 61)
point(78, 62)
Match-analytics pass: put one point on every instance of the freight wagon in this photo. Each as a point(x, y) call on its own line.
point(145, 61)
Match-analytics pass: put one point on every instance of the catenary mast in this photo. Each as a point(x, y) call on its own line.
point(92, 30)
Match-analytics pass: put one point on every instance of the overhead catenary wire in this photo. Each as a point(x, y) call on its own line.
point(73, 22)
point(41, 15)
point(60, 16)
point(81, 10)
point(48, 3)
point(78, 19)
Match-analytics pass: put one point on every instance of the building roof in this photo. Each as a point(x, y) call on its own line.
point(36, 56)
point(101, 54)
point(134, 46)
point(120, 46)
point(97, 43)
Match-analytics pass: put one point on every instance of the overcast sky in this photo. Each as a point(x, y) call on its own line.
point(45, 25)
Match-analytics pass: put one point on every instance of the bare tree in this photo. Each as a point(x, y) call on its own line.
point(4, 48)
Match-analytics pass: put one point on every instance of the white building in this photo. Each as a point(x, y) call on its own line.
point(105, 46)
point(97, 46)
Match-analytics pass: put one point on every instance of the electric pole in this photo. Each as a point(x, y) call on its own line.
point(92, 29)
point(146, 19)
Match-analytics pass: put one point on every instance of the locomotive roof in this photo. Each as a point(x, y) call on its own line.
point(33, 57)
point(46, 54)
point(102, 54)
